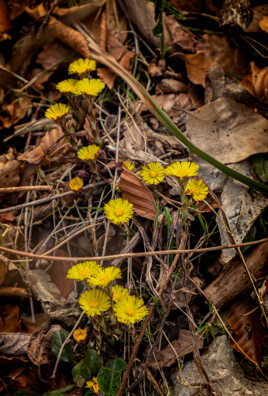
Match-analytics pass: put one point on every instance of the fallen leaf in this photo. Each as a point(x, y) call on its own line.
point(9, 318)
point(264, 23)
point(58, 272)
point(15, 111)
point(54, 140)
point(227, 130)
point(4, 18)
point(135, 191)
point(257, 82)
point(14, 343)
point(247, 329)
point(185, 344)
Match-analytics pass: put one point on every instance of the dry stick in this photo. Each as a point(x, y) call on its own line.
point(126, 255)
point(48, 199)
point(25, 188)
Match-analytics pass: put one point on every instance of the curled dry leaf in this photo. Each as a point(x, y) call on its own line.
point(15, 344)
point(53, 140)
point(245, 323)
point(185, 344)
point(134, 190)
point(257, 82)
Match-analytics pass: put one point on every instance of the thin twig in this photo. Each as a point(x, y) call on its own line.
point(126, 255)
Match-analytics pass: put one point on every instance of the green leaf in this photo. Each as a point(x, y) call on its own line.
point(109, 377)
point(93, 362)
point(57, 340)
point(261, 168)
point(24, 393)
point(59, 392)
point(78, 378)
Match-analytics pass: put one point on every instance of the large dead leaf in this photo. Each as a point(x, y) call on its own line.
point(15, 111)
point(185, 344)
point(10, 318)
point(212, 50)
point(245, 323)
point(134, 190)
point(53, 142)
point(14, 343)
point(227, 130)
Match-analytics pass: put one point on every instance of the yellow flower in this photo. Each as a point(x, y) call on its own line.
point(118, 211)
point(93, 385)
point(81, 66)
point(80, 335)
point(104, 276)
point(56, 111)
point(88, 152)
point(197, 188)
point(83, 270)
point(90, 87)
point(130, 310)
point(129, 165)
point(94, 302)
point(119, 292)
point(153, 173)
point(182, 169)
point(76, 184)
point(68, 86)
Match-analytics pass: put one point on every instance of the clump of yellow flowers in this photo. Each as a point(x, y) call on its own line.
point(101, 296)
point(84, 85)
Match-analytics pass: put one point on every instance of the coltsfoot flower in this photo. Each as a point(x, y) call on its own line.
point(93, 385)
point(83, 270)
point(104, 276)
point(76, 184)
point(129, 165)
point(118, 211)
point(197, 188)
point(130, 310)
point(56, 111)
point(119, 292)
point(153, 173)
point(90, 87)
point(88, 152)
point(80, 335)
point(81, 66)
point(182, 169)
point(93, 302)
point(68, 86)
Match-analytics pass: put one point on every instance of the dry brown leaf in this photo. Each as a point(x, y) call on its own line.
point(58, 272)
point(257, 82)
point(211, 50)
point(185, 344)
point(4, 18)
point(134, 190)
point(264, 23)
point(15, 344)
point(15, 111)
point(9, 318)
point(247, 329)
point(9, 171)
point(3, 268)
point(54, 140)
point(52, 54)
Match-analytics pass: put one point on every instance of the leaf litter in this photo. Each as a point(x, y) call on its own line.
point(199, 74)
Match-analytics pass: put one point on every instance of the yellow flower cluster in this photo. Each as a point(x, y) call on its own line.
point(118, 211)
point(90, 87)
point(68, 86)
point(76, 184)
point(87, 153)
point(80, 335)
point(81, 66)
point(93, 384)
point(154, 173)
point(56, 111)
point(127, 309)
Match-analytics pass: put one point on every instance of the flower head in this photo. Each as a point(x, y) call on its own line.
point(80, 335)
point(182, 169)
point(83, 270)
point(68, 86)
point(81, 66)
point(118, 211)
point(153, 173)
point(76, 184)
point(56, 111)
point(94, 302)
point(130, 310)
point(90, 87)
point(88, 152)
point(129, 165)
point(93, 385)
point(104, 276)
point(197, 188)
point(119, 292)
